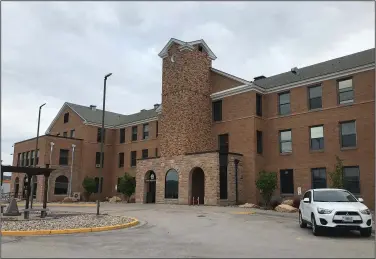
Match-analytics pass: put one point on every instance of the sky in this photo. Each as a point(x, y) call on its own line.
point(56, 52)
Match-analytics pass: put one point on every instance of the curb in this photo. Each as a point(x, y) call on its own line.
point(69, 231)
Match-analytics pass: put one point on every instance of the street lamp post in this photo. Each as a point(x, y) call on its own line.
point(71, 172)
point(35, 158)
point(102, 139)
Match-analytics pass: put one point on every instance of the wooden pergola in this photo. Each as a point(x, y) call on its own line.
point(30, 172)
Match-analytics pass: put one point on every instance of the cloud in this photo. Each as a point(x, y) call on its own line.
point(59, 51)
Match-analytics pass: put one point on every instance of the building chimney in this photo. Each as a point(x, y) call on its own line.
point(259, 77)
point(156, 106)
point(294, 70)
point(93, 107)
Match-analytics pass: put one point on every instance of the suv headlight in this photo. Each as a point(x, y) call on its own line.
point(324, 211)
point(366, 211)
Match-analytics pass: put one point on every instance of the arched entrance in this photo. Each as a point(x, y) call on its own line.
point(150, 187)
point(16, 187)
point(197, 186)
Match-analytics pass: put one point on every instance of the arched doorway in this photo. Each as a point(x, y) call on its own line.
point(150, 187)
point(197, 186)
point(172, 184)
point(61, 185)
point(16, 187)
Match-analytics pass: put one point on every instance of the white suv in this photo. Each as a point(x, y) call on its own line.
point(334, 208)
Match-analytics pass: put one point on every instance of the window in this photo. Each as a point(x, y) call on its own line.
point(315, 97)
point(37, 157)
point(284, 103)
point(61, 185)
point(351, 177)
point(27, 158)
point(134, 133)
point(66, 117)
point(217, 110)
point(156, 152)
point(121, 160)
point(345, 91)
point(318, 178)
point(122, 135)
point(172, 184)
point(258, 104)
point(98, 158)
point(259, 142)
point(19, 159)
point(145, 131)
point(65, 134)
point(99, 135)
point(287, 181)
point(72, 133)
point(308, 195)
point(23, 159)
point(316, 137)
point(97, 184)
point(156, 128)
point(63, 158)
point(145, 153)
point(133, 158)
point(32, 157)
point(348, 134)
point(285, 141)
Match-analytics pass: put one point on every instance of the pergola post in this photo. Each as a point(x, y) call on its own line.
point(26, 213)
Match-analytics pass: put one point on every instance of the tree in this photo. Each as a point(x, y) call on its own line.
point(89, 185)
point(127, 185)
point(336, 176)
point(267, 183)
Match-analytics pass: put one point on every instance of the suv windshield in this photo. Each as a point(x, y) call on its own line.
point(333, 196)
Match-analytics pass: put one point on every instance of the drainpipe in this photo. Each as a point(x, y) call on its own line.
point(71, 171)
point(236, 162)
point(48, 192)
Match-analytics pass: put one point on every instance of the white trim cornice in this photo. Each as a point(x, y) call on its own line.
point(186, 45)
point(120, 126)
point(254, 87)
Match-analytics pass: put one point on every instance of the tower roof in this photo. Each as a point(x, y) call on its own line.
point(184, 45)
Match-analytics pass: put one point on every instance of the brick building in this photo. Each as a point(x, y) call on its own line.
point(214, 132)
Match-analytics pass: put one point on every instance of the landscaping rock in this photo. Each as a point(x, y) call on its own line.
point(69, 200)
point(65, 222)
point(114, 199)
point(285, 208)
point(249, 205)
point(288, 202)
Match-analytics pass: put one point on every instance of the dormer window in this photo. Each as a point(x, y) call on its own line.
point(66, 117)
point(200, 48)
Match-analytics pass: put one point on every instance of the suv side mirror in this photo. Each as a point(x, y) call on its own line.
point(306, 200)
point(360, 200)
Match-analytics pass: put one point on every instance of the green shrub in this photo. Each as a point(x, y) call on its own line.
point(336, 176)
point(89, 185)
point(266, 183)
point(127, 185)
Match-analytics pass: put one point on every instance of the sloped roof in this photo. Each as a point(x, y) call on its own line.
point(358, 59)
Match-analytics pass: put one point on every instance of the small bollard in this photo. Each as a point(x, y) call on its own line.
point(198, 201)
point(193, 200)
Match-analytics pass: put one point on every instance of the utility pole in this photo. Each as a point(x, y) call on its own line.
point(35, 159)
point(102, 140)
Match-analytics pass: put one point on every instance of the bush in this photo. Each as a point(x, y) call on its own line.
point(267, 183)
point(275, 202)
point(89, 185)
point(296, 202)
point(127, 185)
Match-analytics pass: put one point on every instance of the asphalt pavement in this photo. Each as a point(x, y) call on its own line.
point(187, 232)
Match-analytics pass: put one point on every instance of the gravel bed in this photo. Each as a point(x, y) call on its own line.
point(65, 222)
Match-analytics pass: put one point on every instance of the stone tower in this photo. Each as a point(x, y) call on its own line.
point(186, 120)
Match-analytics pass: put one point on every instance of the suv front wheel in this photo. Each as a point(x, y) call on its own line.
point(315, 228)
point(366, 232)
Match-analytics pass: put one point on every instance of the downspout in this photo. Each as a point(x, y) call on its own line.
point(71, 172)
point(236, 162)
point(48, 191)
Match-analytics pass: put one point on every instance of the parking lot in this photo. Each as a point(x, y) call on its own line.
point(186, 231)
